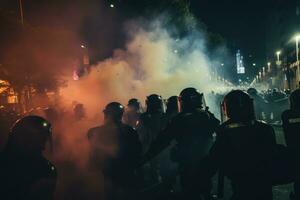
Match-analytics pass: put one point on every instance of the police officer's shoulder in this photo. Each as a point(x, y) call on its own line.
point(223, 126)
point(93, 131)
point(144, 116)
point(45, 167)
point(229, 124)
point(180, 116)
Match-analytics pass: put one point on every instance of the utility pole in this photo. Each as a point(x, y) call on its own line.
point(21, 12)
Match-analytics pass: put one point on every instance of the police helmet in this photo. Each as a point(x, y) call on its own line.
point(114, 110)
point(295, 99)
point(238, 105)
point(190, 98)
point(30, 133)
point(252, 91)
point(134, 103)
point(154, 103)
point(172, 104)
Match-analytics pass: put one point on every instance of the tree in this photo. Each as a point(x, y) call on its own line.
point(35, 59)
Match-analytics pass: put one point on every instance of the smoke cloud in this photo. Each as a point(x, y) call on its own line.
point(153, 61)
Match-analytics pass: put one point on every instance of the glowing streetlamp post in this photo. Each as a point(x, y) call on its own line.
point(269, 67)
point(278, 56)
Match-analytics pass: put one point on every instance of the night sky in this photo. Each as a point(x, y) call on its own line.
point(241, 23)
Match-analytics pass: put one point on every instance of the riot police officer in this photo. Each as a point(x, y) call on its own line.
point(25, 173)
point(116, 151)
point(244, 149)
point(291, 127)
point(192, 129)
point(149, 126)
point(260, 105)
point(133, 112)
point(152, 122)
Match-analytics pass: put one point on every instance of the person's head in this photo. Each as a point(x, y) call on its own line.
point(29, 135)
point(113, 112)
point(238, 105)
point(134, 103)
point(190, 99)
point(154, 104)
point(252, 91)
point(172, 105)
point(295, 100)
point(79, 111)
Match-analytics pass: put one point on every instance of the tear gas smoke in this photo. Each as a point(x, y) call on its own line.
point(152, 62)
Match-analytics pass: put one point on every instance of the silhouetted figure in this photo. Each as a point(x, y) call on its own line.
point(244, 149)
point(192, 129)
point(291, 127)
point(172, 107)
point(150, 125)
point(260, 105)
point(24, 172)
point(79, 111)
point(132, 113)
point(116, 151)
point(152, 122)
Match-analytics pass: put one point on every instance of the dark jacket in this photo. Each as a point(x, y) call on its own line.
point(23, 177)
point(244, 151)
point(116, 150)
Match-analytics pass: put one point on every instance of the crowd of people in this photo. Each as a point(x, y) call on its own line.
point(171, 153)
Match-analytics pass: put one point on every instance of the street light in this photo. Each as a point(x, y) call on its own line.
point(112, 5)
point(278, 55)
point(269, 67)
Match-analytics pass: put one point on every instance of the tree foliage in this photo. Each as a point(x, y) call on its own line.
point(35, 56)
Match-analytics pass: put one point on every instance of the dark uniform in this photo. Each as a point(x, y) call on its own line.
point(244, 149)
point(25, 173)
point(291, 127)
point(192, 129)
point(150, 125)
point(152, 122)
point(116, 151)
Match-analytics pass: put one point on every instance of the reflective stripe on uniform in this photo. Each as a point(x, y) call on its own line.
point(294, 120)
point(238, 125)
